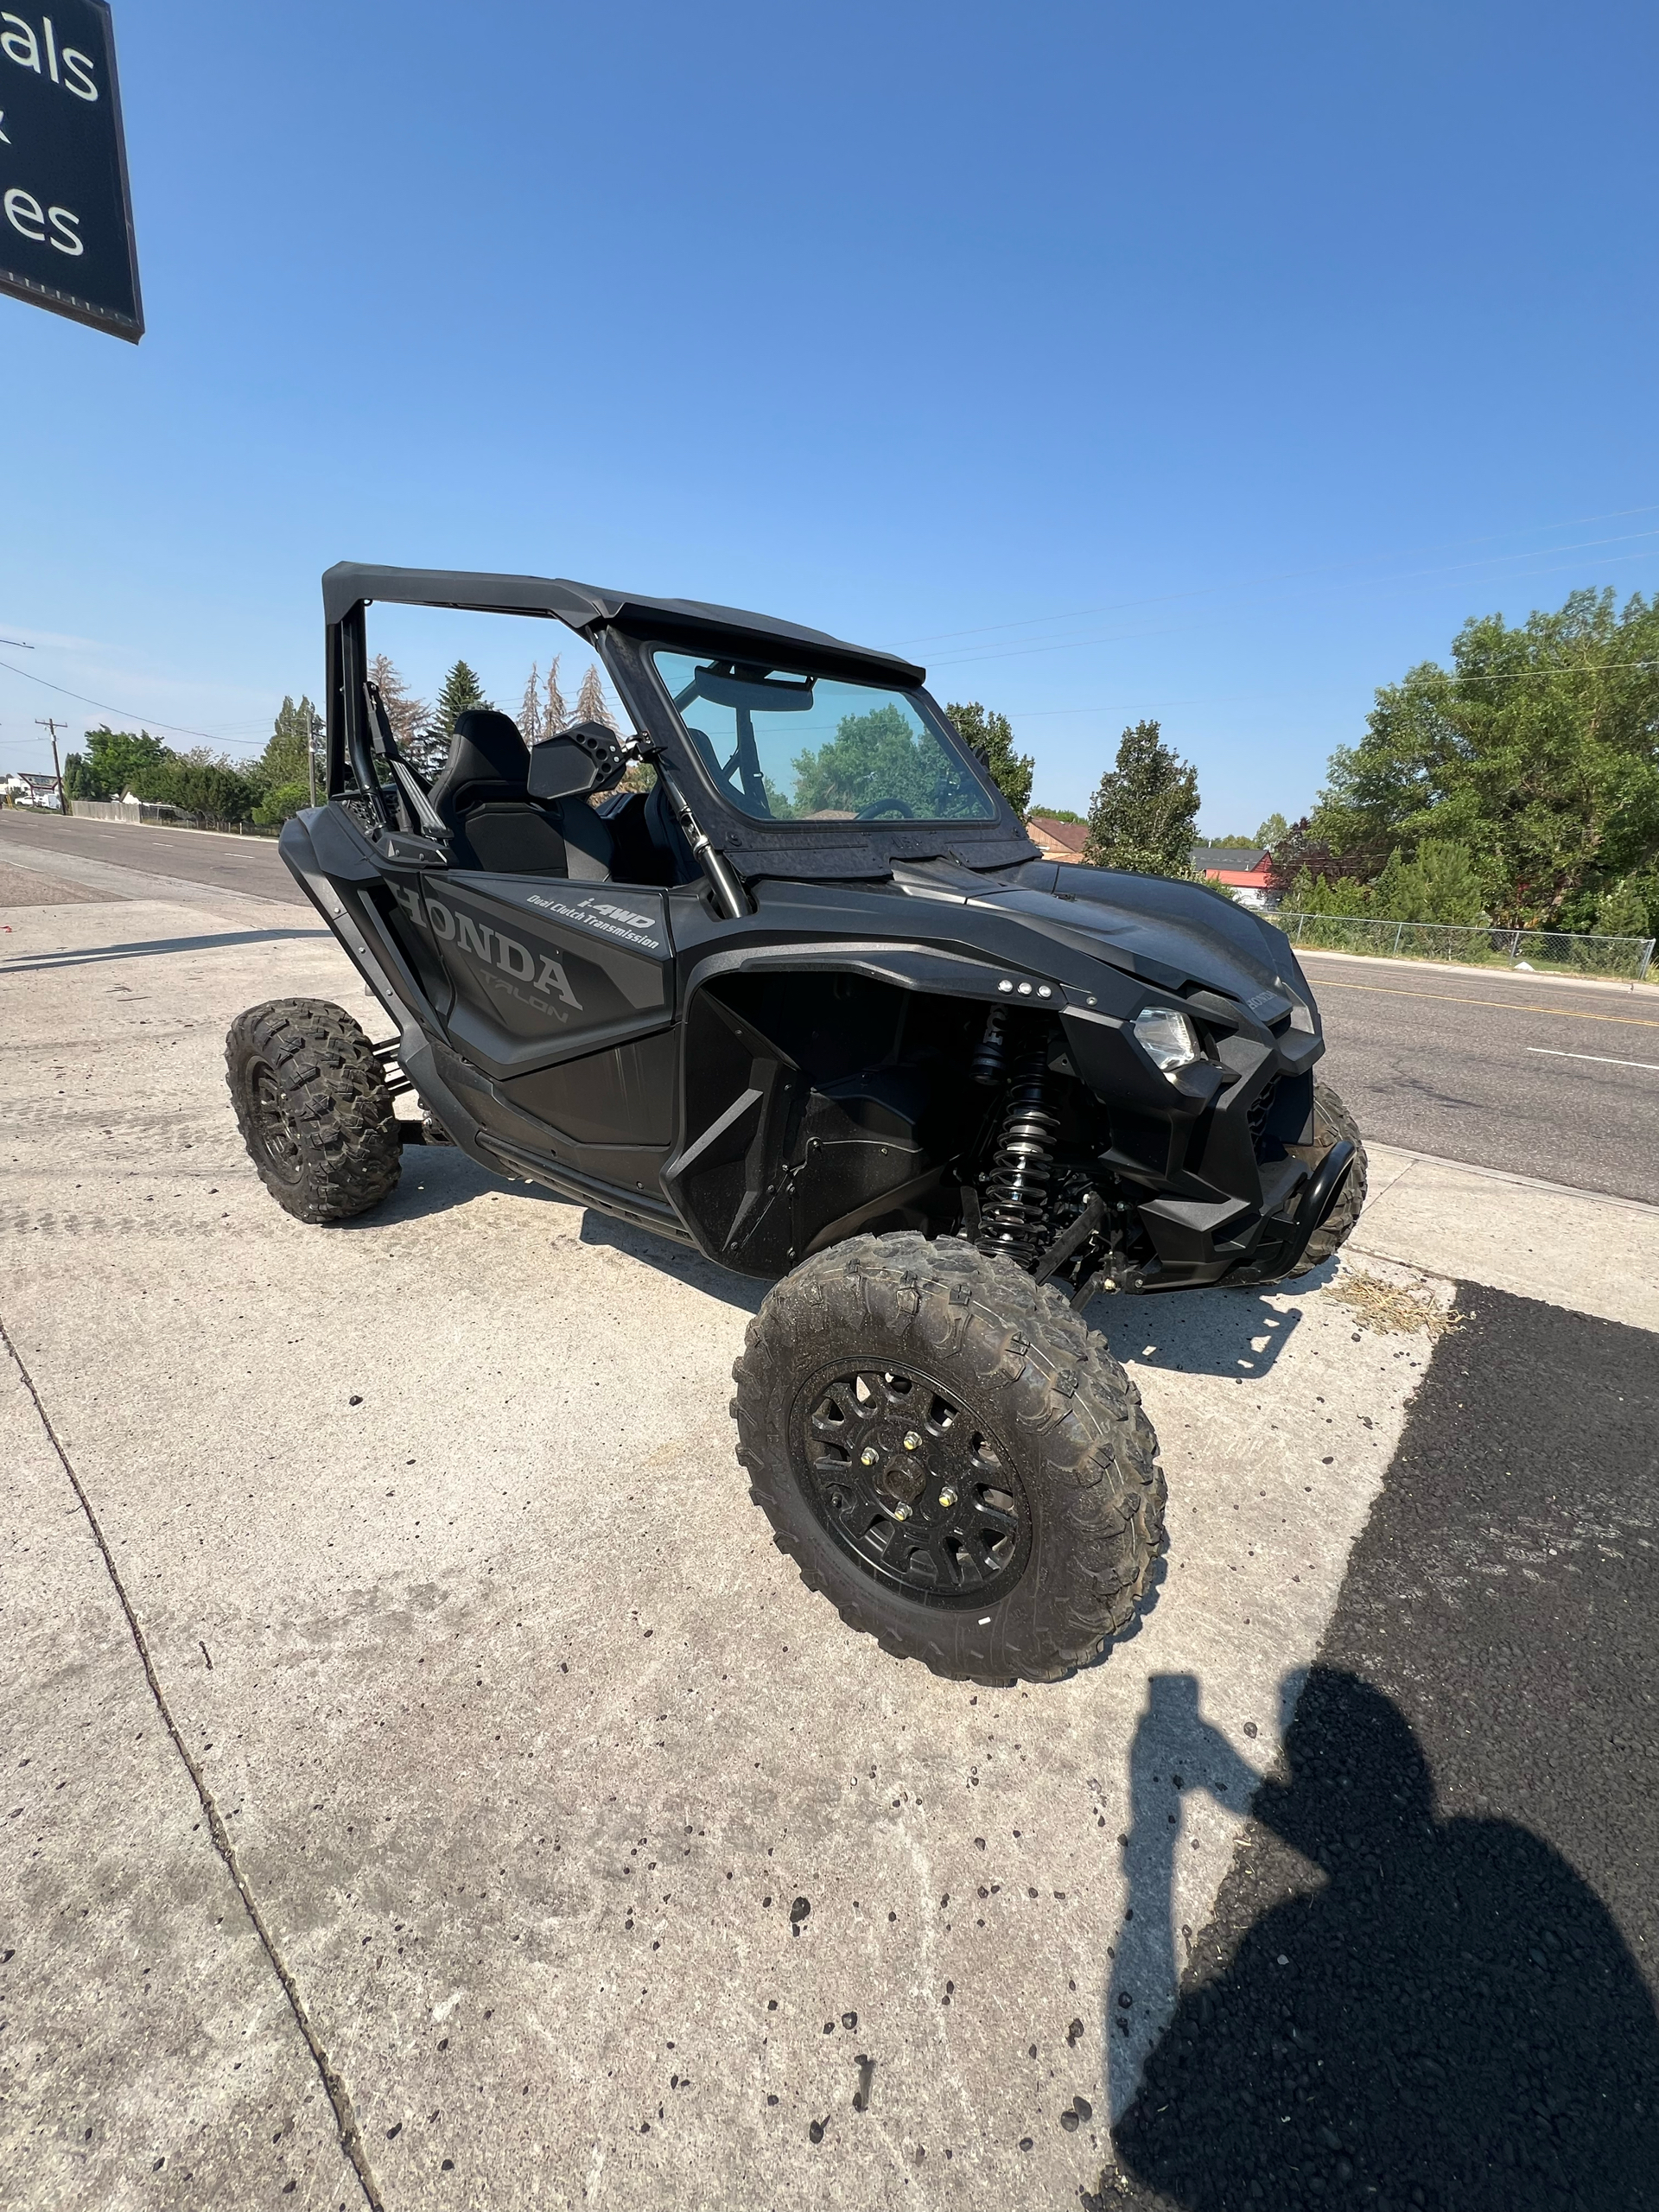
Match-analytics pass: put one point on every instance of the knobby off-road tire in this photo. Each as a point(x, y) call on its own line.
point(313, 1106)
point(1332, 1123)
point(1019, 1412)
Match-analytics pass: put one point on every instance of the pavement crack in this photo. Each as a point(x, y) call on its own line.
point(351, 2142)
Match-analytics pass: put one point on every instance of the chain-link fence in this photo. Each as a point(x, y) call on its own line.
point(1558, 951)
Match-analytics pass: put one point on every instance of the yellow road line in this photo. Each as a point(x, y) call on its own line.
point(1509, 1005)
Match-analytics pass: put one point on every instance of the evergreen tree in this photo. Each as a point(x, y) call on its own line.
point(530, 708)
point(408, 715)
point(296, 735)
point(991, 736)
point(1142, 816)
point(558, 714)
point(461, 693)
point(590, 699)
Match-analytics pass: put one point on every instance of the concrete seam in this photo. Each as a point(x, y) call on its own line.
point(339, 2096)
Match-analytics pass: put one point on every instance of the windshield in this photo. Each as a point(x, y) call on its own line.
point(811, 748)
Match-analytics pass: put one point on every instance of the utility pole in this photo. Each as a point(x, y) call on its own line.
point(46, 722)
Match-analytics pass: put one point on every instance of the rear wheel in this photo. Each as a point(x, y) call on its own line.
point(950, 1457)
point(1332, 1122)
point(313, 1106)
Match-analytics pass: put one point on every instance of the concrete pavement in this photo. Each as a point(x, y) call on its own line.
point(527, 1748)
point(526, 1738)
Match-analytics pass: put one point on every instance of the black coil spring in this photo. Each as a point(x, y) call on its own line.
point(1013, 1213)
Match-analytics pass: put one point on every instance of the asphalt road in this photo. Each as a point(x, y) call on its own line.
point(1511, 1071)
point(1457, 2010)
point(248, 864)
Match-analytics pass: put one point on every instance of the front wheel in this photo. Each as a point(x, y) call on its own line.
point(950, 1457)
point(1332, 1122)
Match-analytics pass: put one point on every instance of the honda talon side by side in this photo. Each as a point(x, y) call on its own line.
point(778, 974)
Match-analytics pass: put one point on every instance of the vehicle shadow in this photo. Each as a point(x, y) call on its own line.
point(744, 1292)
point(438, 1178)
point(1222, 1331)
point(1448, 2018)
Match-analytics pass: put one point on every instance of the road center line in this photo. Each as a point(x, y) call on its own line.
point(1507, 1006)
point(1602, 1059)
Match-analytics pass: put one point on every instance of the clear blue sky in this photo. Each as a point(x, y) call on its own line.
point(1211, 364)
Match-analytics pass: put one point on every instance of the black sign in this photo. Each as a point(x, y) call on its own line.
point(66, 214)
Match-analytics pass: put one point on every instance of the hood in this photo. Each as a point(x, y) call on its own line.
point(1175, 935)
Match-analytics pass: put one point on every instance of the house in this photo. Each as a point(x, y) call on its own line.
point(1060, 841)
point(1243, 868)
point(23, 788)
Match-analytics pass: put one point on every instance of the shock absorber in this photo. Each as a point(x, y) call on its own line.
point(1013, 1216)
point(990, 1054)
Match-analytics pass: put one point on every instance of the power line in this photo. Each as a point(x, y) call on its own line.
point(1282, 575)
point(129, 714)
point(1139, 636)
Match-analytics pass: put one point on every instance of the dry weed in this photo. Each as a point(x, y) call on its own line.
point(1389, 1309)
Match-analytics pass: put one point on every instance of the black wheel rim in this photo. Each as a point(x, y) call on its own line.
point(273, 1131)
point(911, 1483)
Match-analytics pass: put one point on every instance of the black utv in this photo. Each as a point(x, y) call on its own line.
point(779, 974)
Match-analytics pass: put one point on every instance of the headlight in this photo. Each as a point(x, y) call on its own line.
point(1168, 1038)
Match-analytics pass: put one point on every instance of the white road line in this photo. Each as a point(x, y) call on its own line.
point(1602, 1059)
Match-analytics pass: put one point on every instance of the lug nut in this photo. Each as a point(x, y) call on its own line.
point(947, 1498)
point(911, 1439)
point(869, 1456)
point(901, 1513)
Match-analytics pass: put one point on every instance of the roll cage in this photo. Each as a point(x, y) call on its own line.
point(622, 628)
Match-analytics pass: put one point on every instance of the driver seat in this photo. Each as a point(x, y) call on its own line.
point(483, 798)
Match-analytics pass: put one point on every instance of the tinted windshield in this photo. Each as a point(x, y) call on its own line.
point(806, 748)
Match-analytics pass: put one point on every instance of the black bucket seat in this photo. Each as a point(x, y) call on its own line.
point(483, 799)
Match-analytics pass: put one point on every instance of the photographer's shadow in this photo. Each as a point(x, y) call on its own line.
point(1452, 2018)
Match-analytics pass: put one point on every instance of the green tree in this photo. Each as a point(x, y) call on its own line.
point(1271, 830)
point(991, 735)
point(198, 783)
point(1317, 894)
point(871, 756)
point(1142, 817)
point(1537, 751)
point(112, 763)
point(296, 734)
point(279, 803)
point(1059, 814)
point(461, 692)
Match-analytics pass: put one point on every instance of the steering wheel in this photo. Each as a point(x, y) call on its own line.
point(880, 806)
